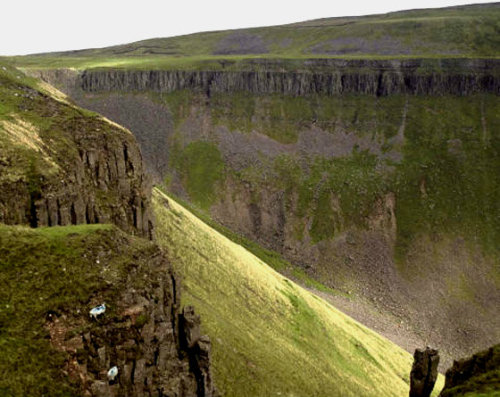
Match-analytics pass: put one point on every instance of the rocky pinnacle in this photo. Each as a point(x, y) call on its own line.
point(424, 372)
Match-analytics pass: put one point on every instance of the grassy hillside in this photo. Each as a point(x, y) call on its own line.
point(37, 125)
point(469, 31)
point(29, 119)
point(270, 336)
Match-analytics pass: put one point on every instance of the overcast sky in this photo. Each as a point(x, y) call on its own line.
point(32, 26)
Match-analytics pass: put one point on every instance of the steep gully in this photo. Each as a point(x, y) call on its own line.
point(111, 92)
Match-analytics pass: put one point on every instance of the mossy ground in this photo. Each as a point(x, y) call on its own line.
point(484, 384)
point(200, 167)
point(270, 336)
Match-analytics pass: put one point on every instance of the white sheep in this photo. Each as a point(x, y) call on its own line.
point(112, 373)
point(97, 311)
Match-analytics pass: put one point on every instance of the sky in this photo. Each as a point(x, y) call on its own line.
point(35, 26)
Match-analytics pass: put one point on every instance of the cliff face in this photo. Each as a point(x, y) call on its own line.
point(62, 166)
point(146, 339)
point(59, 166)
point(322, 77)
point(142, 331)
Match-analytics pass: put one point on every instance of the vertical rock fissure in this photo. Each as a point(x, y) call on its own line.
point(49, 218)
point(200, 387)
point(132, 372)
point(33, 215)
point(87, 214)
point(134, 216)
point(173, 310)
point(59, 221)
point(380, 88)
point(73, 214)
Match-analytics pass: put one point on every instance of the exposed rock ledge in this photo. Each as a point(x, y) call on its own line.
point(323, 76)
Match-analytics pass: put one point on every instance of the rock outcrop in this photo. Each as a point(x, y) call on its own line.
point(479, 373)
point(62, 166)
point(424, 372)
point(197, 347)
point(157, 348)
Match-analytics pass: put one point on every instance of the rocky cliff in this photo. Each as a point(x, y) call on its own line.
point(424, 372)
point(157, 352)
point(61, 165)
point(321, 77)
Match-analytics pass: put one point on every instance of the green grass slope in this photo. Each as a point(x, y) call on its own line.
point(468, 31)
point(37, 128)
point(271, 337)
point(32, 114)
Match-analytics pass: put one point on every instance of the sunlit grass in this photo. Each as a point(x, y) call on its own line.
point(270, 336)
